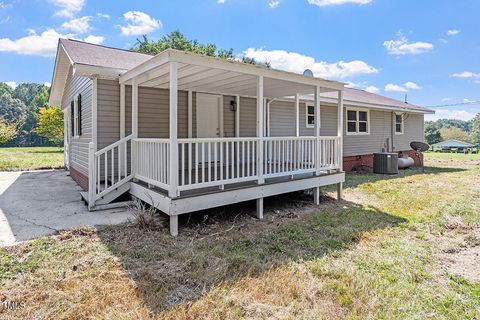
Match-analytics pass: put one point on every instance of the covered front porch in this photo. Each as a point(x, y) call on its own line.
point(205, 158)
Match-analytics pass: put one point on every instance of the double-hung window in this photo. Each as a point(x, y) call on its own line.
point(399, 123)
point(358, 121)
point(310, 113)
point(76, 116)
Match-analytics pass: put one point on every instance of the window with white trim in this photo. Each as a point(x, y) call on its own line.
point(310, 116)
point(399, 123)
point(358, 121)
point(76, 116)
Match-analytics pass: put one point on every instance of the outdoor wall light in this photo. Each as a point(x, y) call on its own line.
point(233, 106)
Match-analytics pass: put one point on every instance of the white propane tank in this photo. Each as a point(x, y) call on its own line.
point(405, 162)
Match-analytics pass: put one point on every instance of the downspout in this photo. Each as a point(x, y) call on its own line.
point(392, 133)
point(268, 115)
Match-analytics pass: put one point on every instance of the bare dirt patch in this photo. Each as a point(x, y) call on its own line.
point(458, 250)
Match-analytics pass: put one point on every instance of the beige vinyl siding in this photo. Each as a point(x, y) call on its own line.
point(380, 131)
point(154, 120)
point(78, 152)
point(282, 119)
point(228, 118)
point(413, 131)
point(153, 113)
point(282, 122)
point(248, 117)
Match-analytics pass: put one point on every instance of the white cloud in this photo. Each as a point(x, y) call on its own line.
point(220, 1)
point(442, 113)
point(453, 32)
point(5, 20)
point(78, 25)
point(94, 39)
point(402, 88)
point(68, 8)
point(446, 99)
point(325, 3)
point(296, 62)
point(372, 89)
point(273, 3)
point(466, 75)
point(394, 88)
point(44, 44)
point(103, 15)
point(4, 5)
point(412, 86)
point(139, 23)
point(47, 84)
point(401, 46)
point(11, 84)
point(363, 86)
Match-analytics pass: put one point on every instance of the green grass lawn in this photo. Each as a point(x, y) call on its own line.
point(459, 156)
point(397, 247)
point(34, 158)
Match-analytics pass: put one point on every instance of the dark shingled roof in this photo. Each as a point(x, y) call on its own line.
point(102, 56)
point(363, 96)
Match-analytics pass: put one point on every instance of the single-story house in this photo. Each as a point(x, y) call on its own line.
point(186, 132)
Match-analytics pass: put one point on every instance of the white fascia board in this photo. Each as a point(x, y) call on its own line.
point(54, 99)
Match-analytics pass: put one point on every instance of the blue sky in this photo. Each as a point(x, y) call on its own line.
point(427, 49)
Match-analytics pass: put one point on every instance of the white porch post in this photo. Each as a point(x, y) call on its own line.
point(260, 135)
point(237, 117)
point(173, 179)
point(260, 129)
point(122, 149)
point(297, 115)
point(134, 109)
point(340, 140)
point(317, 128)
point(190, 113)
point(316, 191)
point(134, 123)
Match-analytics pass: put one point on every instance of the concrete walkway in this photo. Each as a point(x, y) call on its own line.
point(37, 203)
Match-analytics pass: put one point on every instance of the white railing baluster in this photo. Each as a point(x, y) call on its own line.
point(215, 153)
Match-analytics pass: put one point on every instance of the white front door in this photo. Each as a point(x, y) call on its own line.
point(208, 115)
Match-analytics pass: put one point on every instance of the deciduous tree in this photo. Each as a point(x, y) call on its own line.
point(454, 133)
point(50, 124)
point(8, 131)
point(475, 128)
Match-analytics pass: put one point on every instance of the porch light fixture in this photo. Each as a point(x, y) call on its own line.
point(233, 106)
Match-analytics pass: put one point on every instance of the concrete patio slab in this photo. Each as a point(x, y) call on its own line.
point(38, 203)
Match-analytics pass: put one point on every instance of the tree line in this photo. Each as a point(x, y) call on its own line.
point(447, 129)
point(26, 120)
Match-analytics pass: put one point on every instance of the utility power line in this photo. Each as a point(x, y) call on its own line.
point(468, 103)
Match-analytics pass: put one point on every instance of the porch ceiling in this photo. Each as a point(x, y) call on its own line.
point(207, 74)
point(205, 79)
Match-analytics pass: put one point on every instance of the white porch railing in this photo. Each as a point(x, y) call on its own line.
point(208, 162)
point(217, 161)
point(108, 169)
point(151, 161)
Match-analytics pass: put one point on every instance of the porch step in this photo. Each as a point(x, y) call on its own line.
point(106, 202)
